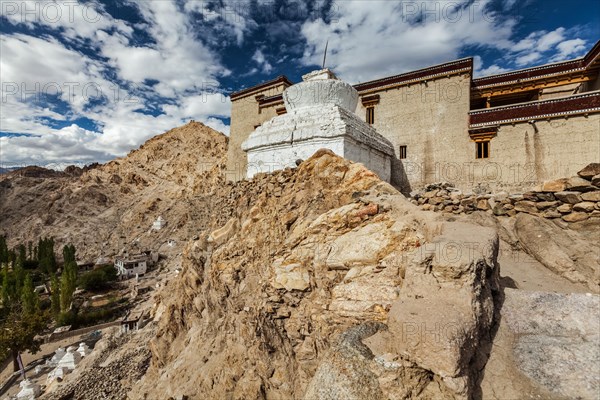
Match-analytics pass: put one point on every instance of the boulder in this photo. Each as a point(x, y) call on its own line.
point(531, 196)
point(483, 204)
point(499, 210)
point(557, 185)
point(564, 251)
point(575, 217)
point(568, 197)
point(545, 196)
point(579, 184)
point(551, 214)
point(590, 171)
point(446, 303)
point(564, 184)
point(542, 205)
point(436, 200)
point(546, 347)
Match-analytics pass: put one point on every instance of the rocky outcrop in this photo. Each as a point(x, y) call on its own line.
point(324, 282)
point(564, 251)
point(313, 252)
point(344, 372)
point(117, 362)
point(546, 347)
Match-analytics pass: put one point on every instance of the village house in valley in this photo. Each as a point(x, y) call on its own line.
point(509, 131)
point(135, 265)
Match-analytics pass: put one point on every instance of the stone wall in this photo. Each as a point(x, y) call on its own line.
point(570, 199)
point(245, 115)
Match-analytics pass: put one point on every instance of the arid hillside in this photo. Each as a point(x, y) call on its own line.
point(109, 208)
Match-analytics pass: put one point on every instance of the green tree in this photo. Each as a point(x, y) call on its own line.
point(55, 295)
point(46, 256)
point(3, 250)
point(68, 253)
point(18, 330)
point(5, 286)
point(20, 319)
point(98, 279)
point(29, 298)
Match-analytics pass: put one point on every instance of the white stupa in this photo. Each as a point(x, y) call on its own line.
point(70, 360)
point(320, 114)
point(58, 355)
point(29, 390)
point(83, 349)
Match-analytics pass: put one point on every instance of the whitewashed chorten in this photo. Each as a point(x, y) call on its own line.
point(320, 114)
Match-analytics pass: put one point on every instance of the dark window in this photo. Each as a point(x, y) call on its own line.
point(370, 115)
point(402, 152)
point(482, 149)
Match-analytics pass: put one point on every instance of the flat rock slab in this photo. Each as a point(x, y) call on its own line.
point(547, 345)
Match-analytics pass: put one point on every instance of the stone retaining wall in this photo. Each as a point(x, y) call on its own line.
point(570, 199)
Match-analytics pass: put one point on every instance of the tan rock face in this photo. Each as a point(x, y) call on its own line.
point(540, 335)
point(446, 303)
point(564, 251)
point(290, 276)
point(270, 299)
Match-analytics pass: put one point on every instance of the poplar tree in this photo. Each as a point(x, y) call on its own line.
point(55, 295)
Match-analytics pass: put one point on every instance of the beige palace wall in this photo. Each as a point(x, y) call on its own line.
point(431, 119)
point(523, 155)
point(245, 115)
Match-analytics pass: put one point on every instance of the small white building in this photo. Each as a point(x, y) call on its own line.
point(131, 266)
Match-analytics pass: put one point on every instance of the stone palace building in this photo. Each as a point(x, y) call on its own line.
point(509, 131)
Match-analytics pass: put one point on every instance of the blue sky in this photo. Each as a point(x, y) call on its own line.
point(89, 81)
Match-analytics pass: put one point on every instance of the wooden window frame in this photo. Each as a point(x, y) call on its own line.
point(482, 149)
point(402, 152)
point(370, 115)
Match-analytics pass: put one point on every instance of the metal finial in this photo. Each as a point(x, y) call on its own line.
point(325, 54)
